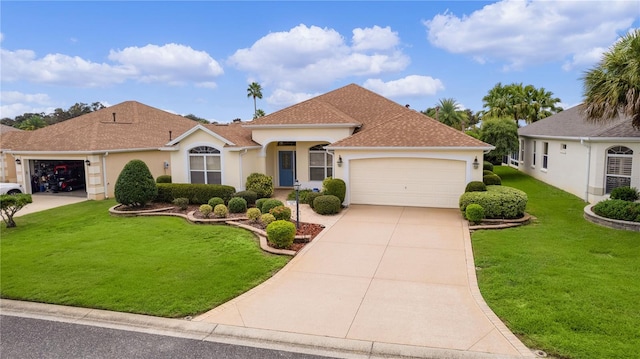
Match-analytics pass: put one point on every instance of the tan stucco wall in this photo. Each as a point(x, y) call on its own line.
point(7, 168)
point(115, 162)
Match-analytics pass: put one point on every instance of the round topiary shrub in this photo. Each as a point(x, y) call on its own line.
point(487, 166)
point(163, 179)
point(335, 187)
point(474, 213)
point(213, 202)
point(248, 196)
point(135, 185)
point(492, 180)
point(181, 202)
point(629, 194)
point(499, 202)
point(261, 184)
point(281, 234)
point(326, 204)
point(253, 214)
point(220, 211)
point(237, 205)
point(260, 202)
point(311, 197)
point(475, 186)
point(267, 218)
point(270, 203)
point(206, 210)
point(487, 172)
point(281, 213)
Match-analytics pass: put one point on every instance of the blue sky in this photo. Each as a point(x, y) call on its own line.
point(199, 57)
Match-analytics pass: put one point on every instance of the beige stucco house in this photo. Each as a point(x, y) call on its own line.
point(584, 158)
point(386, 153)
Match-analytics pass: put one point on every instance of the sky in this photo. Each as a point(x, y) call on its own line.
point(200, 57)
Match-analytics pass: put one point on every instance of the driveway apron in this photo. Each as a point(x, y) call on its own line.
point(398, 275)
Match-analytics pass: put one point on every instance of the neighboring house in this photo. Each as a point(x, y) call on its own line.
point(386, 153)
point(584, 158)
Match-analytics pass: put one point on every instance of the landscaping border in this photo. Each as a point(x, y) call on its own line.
point(502, 223)
point(608, 222)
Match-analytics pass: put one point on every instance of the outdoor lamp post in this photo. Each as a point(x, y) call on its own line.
point(296, 185)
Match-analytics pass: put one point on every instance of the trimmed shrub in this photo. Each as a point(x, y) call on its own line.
point(474, 213)
point(253, 214)
point(10, 204)
point(135, 185)
point(326, 204)
point(618, 209)
point(498, 202)
point(625, 193)
point(206, 210)
point(237, 205)
point(181, 202)
point(163, 179)
point(302, 195)
point(267, 218)
point(196, 193)
point(311, 197)
point(335, 187)
point(213, 202)
point(281, 213)
point(220, 211)
point(475, 186)
point(248, 196)
point(487, 172)
point(270, 203)
point(280, 234)
point(492, 180)
point(487, 166)
point(261, 184)
point(260, 202)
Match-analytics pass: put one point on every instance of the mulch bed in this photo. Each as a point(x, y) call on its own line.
point(310, 229)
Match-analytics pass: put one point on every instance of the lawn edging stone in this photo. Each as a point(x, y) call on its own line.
point(608, 222)
point(502, 223)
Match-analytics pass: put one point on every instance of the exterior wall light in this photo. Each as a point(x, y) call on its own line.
point(18, 161)
point(87, 162)
point(476, 164)
point(339, 161)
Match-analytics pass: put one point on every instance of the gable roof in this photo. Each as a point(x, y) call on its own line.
point(572, 123)
point(378, 121)
point(232, 134)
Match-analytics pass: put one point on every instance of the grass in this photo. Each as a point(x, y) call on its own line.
point(562, 284)
point(79, 255)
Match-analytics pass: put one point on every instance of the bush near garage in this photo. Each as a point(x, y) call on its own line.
point(163, 179)
point(625, 193)
point(270, 203)
point(487, 172)
point(135, 185)
point(220, 211)
point(487, 166)
point(281, 213)
point(261, 184)
point(237, 205)
point(280, 234)
point(492, 180)
point(249, 196)
point(474, 213)
point(213, 202)
point(196, 193)
point(311, 197)
point(206, 210)
point(499, 202)
point(475, 186)
point(335, 187)
point(327, 204)
point(618, 209)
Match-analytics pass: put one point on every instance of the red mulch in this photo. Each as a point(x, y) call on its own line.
point(310, 229)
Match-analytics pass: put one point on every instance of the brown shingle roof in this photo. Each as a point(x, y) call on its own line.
point(572, 123)
point(235, 133)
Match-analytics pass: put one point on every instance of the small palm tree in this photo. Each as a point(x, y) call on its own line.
point(613, 86)
point(449, 112)
point(254, 90)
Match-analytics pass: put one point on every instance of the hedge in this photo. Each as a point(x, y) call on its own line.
point(475, 186)
point(327, 204)
point(491, 180)
point(196, 193)
point(618, 209)
point(625, 193)
point(498, 202)
point(249, 196)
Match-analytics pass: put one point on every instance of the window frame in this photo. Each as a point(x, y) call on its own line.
point(327, 168)
point(545, 155)
point(625, 156)
point(206, 152)
point(534, 153)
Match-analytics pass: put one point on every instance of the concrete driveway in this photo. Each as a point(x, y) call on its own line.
point(392, 275)
point(43, 201)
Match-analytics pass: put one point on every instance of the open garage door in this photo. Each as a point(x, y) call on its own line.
point(414, 182)
point(58, 176)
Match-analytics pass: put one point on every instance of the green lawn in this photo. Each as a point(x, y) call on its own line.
point(562, 284)
point(79, 255)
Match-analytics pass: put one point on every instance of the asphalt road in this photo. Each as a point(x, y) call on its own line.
point(26, 338)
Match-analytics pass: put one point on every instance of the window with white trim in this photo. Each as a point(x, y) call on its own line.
point(521, 158)
point(320, 163)
point(619, 164)
point(533, 159)
point(563, 148)
point(545, 155)
point(204, 165)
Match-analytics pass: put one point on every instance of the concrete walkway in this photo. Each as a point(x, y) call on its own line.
point(44, 201)
point(388, 275)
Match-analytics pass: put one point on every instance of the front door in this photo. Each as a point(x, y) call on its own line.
point(286, 168)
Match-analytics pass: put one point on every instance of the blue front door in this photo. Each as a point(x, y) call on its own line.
point(286, 168)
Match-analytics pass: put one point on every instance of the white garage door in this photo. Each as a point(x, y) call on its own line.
point(407, 182)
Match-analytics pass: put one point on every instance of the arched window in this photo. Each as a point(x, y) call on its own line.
point(204, 165)
point(618, 171)
point(320, 163)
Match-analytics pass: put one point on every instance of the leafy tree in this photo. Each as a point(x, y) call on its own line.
point(448, 111)
point(58, 115)
point(613, 86)
point(32, 123)
point(520, 102)
point(10, 204)
point(197, 119)
point(135, 185)
point(259, 113)
point(254, 90)
point(501, 132)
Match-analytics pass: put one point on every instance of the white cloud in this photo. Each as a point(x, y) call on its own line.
point(413, 85)
point(523, 33)
point(312, 57)
point(283, 98)
point(15, 103)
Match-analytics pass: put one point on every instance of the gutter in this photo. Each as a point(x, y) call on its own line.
point(585, 142)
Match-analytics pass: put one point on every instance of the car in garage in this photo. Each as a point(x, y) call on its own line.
point(11, 188)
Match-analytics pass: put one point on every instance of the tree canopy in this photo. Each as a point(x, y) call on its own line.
point(520, 102)
point(613, 86)
point(501, 132)
point(449, 112)
point(33, 120)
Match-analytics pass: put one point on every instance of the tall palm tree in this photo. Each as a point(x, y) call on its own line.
point(540, 104)
point(449, 112)
point(613, 86)
point(254, 90)
point(520, 102)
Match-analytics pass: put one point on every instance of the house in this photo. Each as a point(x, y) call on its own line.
point(581, 157)
point(386, 153)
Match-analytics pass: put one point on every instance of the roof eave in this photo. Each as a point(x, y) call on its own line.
point(308, 125)
point(588, 138)
point(430, 148)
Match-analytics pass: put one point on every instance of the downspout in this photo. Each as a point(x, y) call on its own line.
point(584, 142)
point(104, 174)
point(241, 166)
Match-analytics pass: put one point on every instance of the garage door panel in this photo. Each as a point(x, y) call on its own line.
point(407, 182)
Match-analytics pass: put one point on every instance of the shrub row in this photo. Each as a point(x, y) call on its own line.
point(195, 193)
point(625, 193)
point(618, 209)
point(497, 201)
